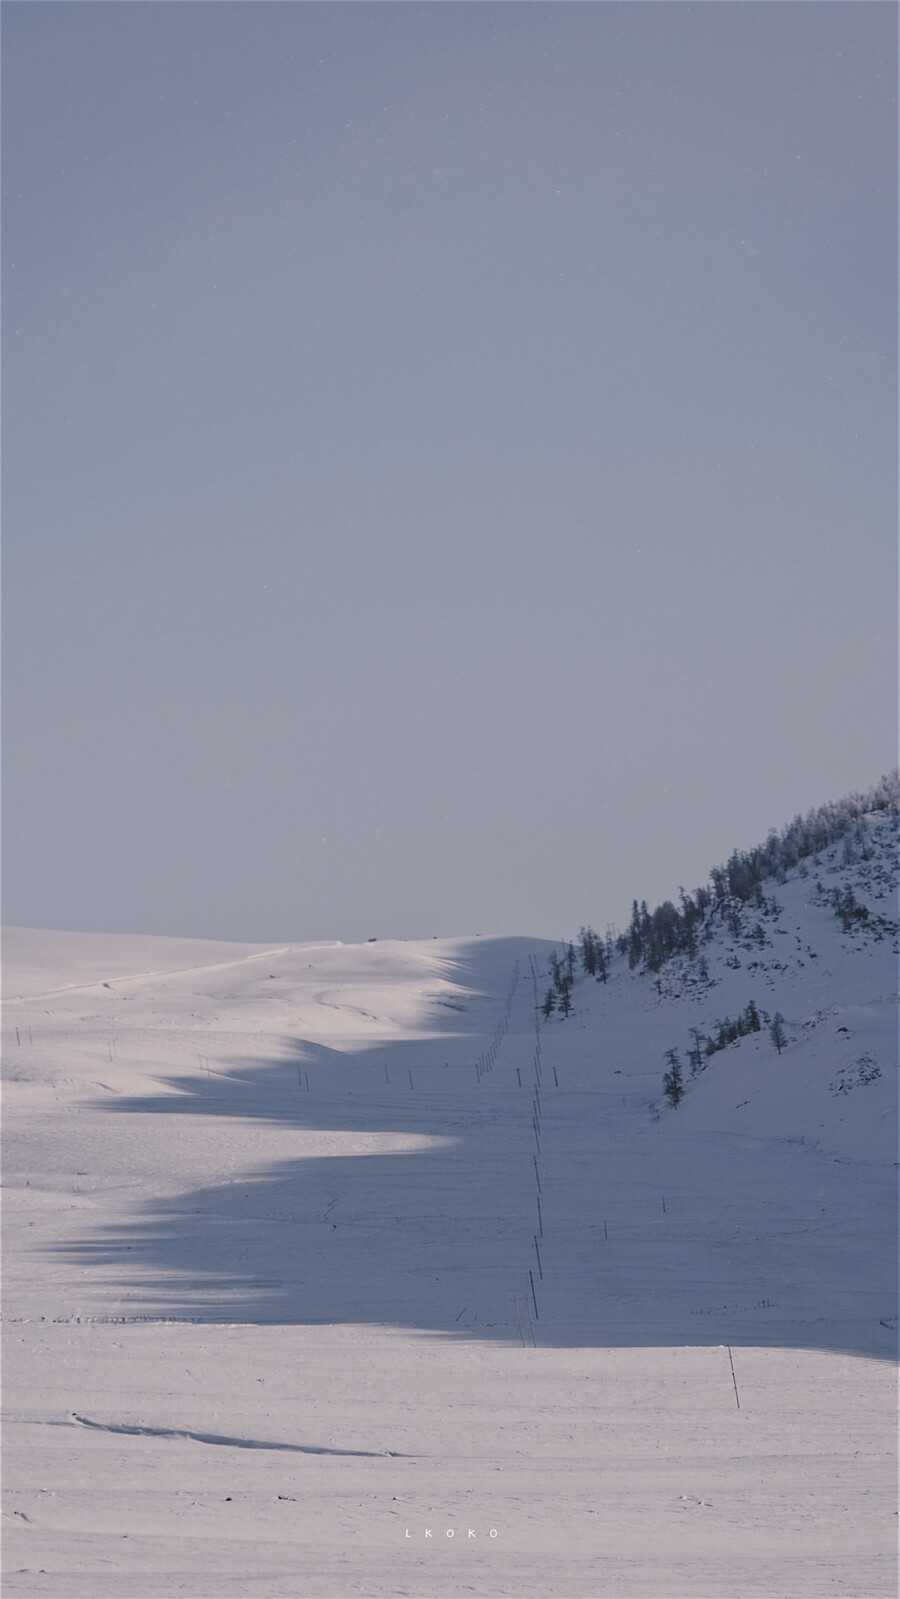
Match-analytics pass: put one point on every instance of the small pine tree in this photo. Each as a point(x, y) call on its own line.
point(588, 950)
point(776, 1031)
point(549, 1004)
point(672, 1084)
point(634, 945)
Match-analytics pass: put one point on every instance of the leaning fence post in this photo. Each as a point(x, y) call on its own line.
point(531, 1323)
point(733, 1377)
point(533, 1295)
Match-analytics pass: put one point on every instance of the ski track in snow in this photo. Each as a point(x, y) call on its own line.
point(215, 1438)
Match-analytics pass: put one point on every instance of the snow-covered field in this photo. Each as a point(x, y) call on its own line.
point(270, 1239)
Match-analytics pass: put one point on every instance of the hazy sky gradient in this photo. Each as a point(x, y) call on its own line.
point(449, 455)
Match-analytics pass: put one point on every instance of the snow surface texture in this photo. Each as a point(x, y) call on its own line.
point(272, 1224)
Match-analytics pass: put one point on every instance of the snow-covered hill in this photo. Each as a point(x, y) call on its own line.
point(779, 1163)
point(817, 948)
point(311, 1248)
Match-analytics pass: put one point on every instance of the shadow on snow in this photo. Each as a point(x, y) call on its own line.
point(437, 1233)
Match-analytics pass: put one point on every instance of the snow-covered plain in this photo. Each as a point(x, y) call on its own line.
point(268, 1234)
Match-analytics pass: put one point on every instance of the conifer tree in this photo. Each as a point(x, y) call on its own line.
point(635, 943)
point(588, 940)
point(672, 1083)
point(776, 1031)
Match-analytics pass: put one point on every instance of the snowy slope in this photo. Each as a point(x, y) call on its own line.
point(780, 1166)
point(280, 1296)
point(834, 1084)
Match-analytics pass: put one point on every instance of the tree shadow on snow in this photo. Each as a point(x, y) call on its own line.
point(413, 1202)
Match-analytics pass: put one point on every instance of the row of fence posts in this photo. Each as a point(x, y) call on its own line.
point(536, 1116)
point(112, 1047)
point(485, 1062)
point(522, 1303)
point(536, 1121)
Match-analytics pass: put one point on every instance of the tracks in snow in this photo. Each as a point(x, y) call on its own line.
point(219, 1438)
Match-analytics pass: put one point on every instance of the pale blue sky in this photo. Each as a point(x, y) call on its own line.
point(449, 455)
